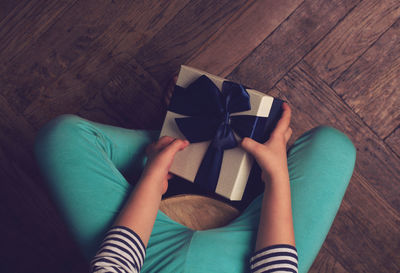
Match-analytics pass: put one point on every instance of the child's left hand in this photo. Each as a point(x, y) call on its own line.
point(160, 156)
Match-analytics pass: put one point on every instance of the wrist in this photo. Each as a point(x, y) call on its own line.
point(278, 186)
point(151, 183)
point(281, 177)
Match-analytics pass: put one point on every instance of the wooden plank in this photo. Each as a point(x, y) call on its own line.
point(8, 7)
point(393, 140)
point(357, 229)
point(31, 228)
point(130, 109)
point(352, 37)
point(97, 109)
point(311, 21)
point(366, 233)
point(25, 235)
point(184, 35)
point(69, 69)
point(26, 23)
point(326, 262)
point(15, 126)
point(371, 86)
point(131, 99)
point(102, 107)
point(375, 218)
point(32, 231)
point(316, 103)
point(235, 40)
point(76, 56)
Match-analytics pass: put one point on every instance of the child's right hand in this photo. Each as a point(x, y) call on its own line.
point(271, 156)
point(160, 156)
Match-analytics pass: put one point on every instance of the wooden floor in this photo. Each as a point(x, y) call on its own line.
point(337, 62)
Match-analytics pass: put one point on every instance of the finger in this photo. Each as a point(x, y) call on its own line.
point(156, 147)
point(175, 146)
point(249, 145)
point(288, 134)
point(159, 144)
point(163, 141)
point(284, 121)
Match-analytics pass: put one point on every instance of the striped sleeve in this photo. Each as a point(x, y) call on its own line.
point(275, 258)
point(122, 251)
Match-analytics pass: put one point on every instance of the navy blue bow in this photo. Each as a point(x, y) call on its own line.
point(209, 119)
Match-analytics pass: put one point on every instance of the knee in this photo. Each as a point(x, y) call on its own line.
point(56, 130)
point(59, 125)
point(336, 140)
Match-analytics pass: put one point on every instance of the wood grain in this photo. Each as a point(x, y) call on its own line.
point(326, 262)
point(31, 226)
point(365, 211)
point(311, 21)
point(198, 212)
point(315, 103)
point(379, 244)
point(16, 35)
point(235, 40)
point(352, 37)
point(14, 125)
point(371, 86)
point(393, 140)
point(108, 61)
point(131, 99)
point(184, 35)
point(8, 7)
point(72, 62)
point(370, 198)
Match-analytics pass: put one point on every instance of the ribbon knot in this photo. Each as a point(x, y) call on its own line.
point(209, 118)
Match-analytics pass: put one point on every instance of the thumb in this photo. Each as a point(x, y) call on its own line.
point(250, 145)
point(175, 146)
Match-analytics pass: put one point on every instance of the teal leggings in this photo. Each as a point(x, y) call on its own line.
point(88, 165)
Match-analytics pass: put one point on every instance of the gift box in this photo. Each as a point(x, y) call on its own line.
point(214, 115)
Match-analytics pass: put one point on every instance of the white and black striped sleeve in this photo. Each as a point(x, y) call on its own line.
point(274, 258)
point(122, 251)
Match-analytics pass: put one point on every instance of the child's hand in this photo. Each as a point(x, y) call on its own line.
point(160, 156)
point(271, 156)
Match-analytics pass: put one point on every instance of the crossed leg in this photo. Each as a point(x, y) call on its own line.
point(321, 163)
point(88, 165)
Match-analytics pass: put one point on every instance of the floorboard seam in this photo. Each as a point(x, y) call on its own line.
point(189, 57)
point(251, 52)
point(392, 132)
point(317, 78)
point(362, 54)
point(344, 265)
point(312, 48)
point(162, 28)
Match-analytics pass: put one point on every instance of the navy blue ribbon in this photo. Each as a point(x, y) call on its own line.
point(209, 118)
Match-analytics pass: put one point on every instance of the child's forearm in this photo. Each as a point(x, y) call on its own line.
point(276, 221)
point(140, 210)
